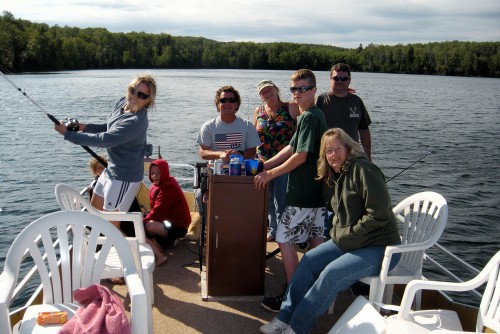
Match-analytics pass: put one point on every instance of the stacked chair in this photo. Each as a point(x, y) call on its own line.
point(64, 249)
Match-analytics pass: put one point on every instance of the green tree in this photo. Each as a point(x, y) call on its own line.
point(27, 46)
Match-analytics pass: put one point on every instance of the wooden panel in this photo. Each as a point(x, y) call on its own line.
point(236, 237)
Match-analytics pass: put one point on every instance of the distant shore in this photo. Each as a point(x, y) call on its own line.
point(38, 47)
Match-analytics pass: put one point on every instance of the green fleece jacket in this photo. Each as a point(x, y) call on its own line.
point(363, 210)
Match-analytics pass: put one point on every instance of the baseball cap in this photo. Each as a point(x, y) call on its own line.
point(265, 83)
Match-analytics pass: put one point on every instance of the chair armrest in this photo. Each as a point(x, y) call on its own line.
point(135, 217)
point(395, 249)
point(135, 285)
point(134, 247)
point(416, 285)
point(138, 302)
point(5, 295)
point(389, 250)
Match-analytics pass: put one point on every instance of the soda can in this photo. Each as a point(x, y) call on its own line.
point(235, 167)
point(218, 167)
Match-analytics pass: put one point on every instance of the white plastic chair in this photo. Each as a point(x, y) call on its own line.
point(67, 265)
point(361, 316)
point(489, 308)
point(422, 218)
point(70, 200)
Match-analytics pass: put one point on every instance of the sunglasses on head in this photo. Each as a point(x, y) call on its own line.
point(140, 95)
point(228, 99)
point(337, 78)
point(301, 89)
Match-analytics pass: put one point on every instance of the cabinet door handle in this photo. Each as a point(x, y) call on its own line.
point(216, 240)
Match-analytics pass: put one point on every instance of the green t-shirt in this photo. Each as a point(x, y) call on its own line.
point(302, 190)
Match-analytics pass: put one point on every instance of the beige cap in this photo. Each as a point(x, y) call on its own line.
point(263, 84)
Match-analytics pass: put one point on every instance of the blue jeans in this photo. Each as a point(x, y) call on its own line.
point(322, 273)
point(276, 202)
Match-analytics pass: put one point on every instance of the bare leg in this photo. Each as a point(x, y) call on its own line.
point(97, 202)
point(290, 259)
point(153, 240)
point(315, 242)
point(156, 228)
point(160, 257)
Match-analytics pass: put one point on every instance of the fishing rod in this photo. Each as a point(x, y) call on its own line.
point(71, 125)
point(426, 154)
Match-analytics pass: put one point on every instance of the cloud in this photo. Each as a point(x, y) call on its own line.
point(330, 22)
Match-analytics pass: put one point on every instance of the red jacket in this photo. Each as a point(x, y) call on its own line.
point(167, 199)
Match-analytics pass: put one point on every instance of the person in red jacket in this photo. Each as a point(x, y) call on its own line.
point(169, 217)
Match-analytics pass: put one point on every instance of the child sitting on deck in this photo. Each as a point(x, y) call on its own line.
point(169, 217)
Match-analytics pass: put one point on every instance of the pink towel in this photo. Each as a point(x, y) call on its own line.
point(101, 312)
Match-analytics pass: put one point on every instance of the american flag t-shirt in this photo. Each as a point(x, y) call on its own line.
point(228, 141)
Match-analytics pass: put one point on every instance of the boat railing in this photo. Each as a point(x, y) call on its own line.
point(184, 173)
point(435, 259)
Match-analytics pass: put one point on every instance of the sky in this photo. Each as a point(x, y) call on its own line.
point(328, 22)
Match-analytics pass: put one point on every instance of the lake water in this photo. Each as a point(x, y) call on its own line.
point(455, 117)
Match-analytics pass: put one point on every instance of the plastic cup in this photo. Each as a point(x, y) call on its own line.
point(237, 156)
point(251, 166)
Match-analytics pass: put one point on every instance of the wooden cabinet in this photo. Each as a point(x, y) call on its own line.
point(236, 236)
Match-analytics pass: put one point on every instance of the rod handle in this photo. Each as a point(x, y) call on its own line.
point(53, 119)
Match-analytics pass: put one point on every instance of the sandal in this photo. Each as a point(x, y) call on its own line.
point(116, 280)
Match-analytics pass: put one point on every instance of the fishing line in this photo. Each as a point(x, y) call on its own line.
point(426, 154)
point(52, 118)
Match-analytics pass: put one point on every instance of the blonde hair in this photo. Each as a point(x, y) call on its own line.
point(148, 80)
point(93, 164)
point(354, 150)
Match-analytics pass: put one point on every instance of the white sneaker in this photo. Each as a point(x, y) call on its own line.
point(274, 326)
point(288, 330)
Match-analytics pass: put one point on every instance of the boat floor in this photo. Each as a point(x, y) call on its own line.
point(179, 308)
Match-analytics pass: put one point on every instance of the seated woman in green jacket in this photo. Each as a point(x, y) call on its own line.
point(363, 225)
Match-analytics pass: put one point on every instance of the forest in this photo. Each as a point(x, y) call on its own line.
point(34, 47)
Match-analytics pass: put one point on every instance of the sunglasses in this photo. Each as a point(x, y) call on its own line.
point(140, 95)
point(301, 89)
point(228, 99)
point(337, 78)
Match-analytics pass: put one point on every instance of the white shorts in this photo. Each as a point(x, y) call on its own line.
point(118, 195)
point(297, 225)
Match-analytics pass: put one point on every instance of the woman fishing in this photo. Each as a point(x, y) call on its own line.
point(124, 137)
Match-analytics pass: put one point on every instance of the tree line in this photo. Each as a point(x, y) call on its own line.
point(30, 47)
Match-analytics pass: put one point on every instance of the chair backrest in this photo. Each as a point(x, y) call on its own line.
point(190, 198)
point(422, 219)
point(70, 200)
point(63, 247)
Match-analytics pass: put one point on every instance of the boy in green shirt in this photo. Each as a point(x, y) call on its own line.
point(303, 218)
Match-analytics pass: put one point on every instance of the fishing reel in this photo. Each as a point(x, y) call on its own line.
point(72, 124)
